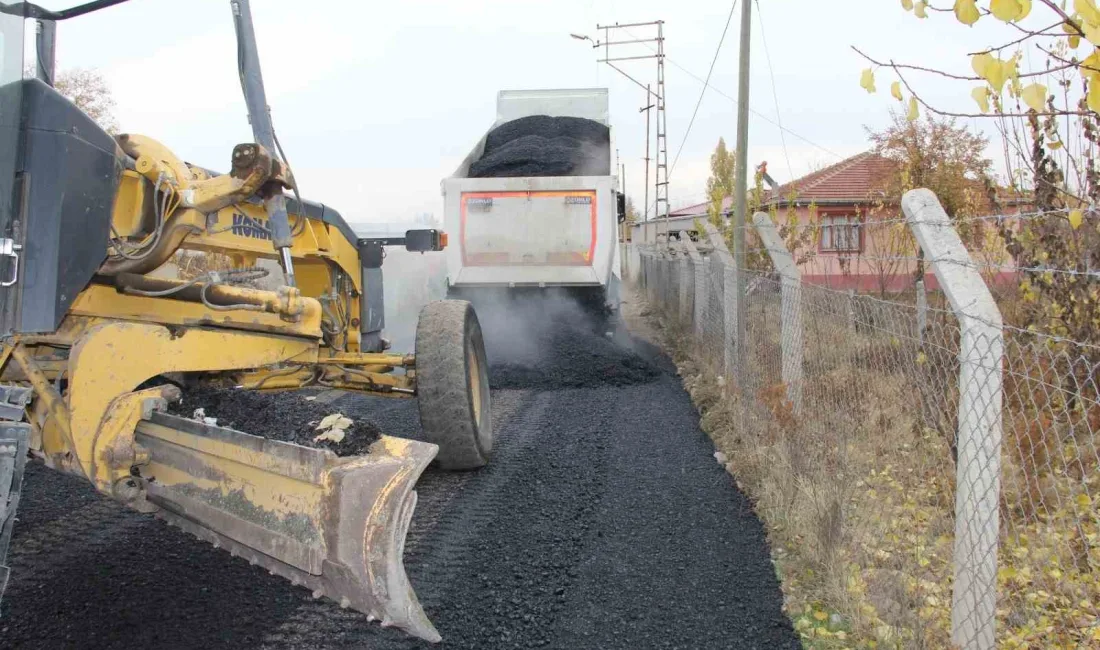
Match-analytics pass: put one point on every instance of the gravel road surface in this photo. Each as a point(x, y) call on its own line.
point(603, 521)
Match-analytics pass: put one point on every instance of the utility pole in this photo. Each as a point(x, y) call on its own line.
point(741, 206)
point(661, 181)
point(648, 118)
point(656, 31)
point(622, 182)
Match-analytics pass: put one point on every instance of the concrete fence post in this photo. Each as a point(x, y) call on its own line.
point(684, 273)
point(922, 311)
point(852, 310)
point(790, 311)
point(649, 276)
point(661, 270)
point(978, 482)
point(729, 299)
point(700, 294)
point(672, 280)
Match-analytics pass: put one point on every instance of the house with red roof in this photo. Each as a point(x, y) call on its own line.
point(843, 207)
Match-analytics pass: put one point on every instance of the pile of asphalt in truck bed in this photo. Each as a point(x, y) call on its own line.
point(540, 145)
point(286, 416)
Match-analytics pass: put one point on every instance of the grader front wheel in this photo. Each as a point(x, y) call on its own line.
point(453, 384)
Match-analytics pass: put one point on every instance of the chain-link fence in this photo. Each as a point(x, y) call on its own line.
point(926, 459)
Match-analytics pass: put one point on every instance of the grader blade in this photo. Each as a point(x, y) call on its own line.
point(335, 525)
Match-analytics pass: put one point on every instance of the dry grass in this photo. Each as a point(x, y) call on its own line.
point(858, 488)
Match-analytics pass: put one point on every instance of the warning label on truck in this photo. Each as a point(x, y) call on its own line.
point(479, 204)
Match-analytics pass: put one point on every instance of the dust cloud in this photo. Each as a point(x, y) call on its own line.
point(410, 281)
point(552, 339)
point(535, 339)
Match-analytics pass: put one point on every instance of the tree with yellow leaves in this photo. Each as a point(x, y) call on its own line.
point(1040, 87)
point(722, 181)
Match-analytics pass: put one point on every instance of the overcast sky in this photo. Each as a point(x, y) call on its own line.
point(375, 102)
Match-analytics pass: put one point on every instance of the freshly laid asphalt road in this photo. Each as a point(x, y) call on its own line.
point(603, 521)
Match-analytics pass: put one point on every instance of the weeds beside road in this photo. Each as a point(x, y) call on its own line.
point(858, 490)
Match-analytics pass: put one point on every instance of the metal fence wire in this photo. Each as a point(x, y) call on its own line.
point(926, 463)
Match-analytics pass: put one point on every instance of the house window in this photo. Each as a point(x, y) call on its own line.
point(840, 234)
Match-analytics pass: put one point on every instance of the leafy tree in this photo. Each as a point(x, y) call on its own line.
point(722, 181)
point(798, 237)
point(936, 153)
point(88, 89)
point(631, 212)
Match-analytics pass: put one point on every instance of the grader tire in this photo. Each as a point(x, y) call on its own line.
point(453, 384)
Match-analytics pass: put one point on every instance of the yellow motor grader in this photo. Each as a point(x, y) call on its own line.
point(95, 345)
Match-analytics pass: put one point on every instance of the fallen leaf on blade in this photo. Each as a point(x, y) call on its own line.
point(310, 398)
point(335, 421)
point(210, 421)
point(335, 434)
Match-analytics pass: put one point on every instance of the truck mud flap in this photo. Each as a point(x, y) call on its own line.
point(14, 437)
point(335, 525)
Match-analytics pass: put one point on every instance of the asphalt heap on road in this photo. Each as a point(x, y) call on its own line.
point(602, 521)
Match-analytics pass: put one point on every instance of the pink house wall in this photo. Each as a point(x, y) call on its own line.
point(879, 265)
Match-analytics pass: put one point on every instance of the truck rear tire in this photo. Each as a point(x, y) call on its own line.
point(452, 384)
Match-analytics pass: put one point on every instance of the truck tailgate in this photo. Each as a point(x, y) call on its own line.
point(528, 228)
point(531, 231)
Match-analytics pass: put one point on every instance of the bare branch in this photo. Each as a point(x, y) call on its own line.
point(972, 115)
point(1065, 16)
point(905, 66)
point(1069, 62)
point(915, 67)
point(1027, 34)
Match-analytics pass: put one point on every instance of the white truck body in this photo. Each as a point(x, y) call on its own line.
point(547, 231)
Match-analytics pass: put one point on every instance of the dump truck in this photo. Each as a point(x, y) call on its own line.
point(536, 205)
point(95, 344)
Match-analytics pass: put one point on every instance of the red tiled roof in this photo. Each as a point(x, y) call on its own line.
point(851, 180)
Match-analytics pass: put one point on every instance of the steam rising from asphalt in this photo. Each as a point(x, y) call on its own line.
point(516, 324)
point(518, 327)
point(596, 160)
point(536, 339)
point(410, 281)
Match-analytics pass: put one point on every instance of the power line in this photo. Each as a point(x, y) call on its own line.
point(751, 109)
point(703, 92)
point(757, 113)
point(775, 93)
